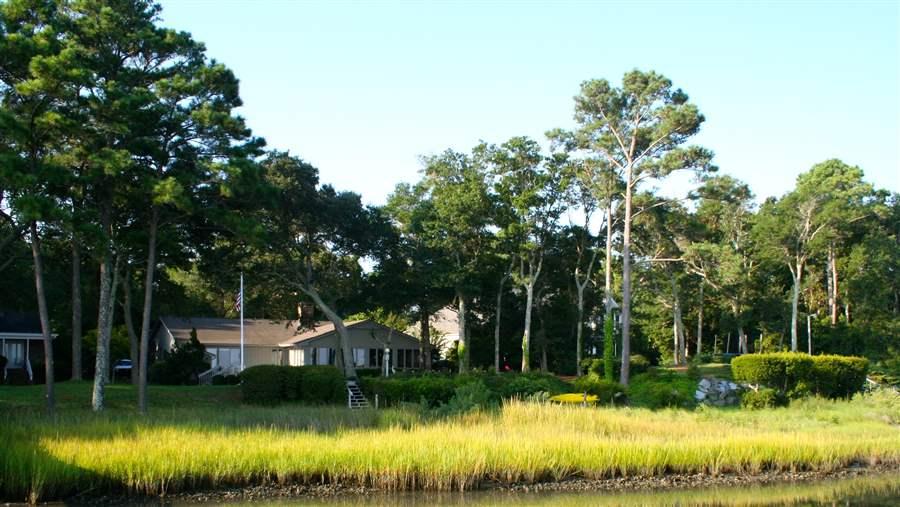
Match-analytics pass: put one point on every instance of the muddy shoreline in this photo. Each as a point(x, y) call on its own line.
point(571, 485)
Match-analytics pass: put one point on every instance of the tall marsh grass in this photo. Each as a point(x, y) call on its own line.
point(181, 449)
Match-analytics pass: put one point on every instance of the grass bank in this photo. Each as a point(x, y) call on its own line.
point(217, 442)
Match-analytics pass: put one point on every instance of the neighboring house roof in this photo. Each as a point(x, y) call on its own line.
point(23, 325)
point(326, 328)
point(257, 332)
point(444, 321)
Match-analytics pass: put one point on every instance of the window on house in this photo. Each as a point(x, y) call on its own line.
point(359, 358)
point(15, 354)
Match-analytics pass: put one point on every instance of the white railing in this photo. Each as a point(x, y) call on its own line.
point(206, 377)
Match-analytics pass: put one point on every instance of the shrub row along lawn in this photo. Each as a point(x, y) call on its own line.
point(185, 448)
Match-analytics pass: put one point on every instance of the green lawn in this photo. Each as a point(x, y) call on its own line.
point(77, 396)
point(201, 437)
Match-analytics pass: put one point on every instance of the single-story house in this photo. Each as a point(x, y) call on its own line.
point(284, 342)
point(21, 339)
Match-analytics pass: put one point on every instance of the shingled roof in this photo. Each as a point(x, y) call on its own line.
point(257, 332)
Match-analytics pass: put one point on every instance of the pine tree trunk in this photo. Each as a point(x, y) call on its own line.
point(700, 323)
point(677, 323)
point(579, 329)
point(76, 309)
point(425, 336)
point(104, 313)
point(834, 287)
point(44, 315)
point(795, 303)
point(526, 335)
point(607, 269)
point(626, 280)
point(497, 324)
point(101, 365)
point(144, 352)
point(462, 347)
point(829, 285)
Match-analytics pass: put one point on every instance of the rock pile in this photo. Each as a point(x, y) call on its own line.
point(716, 392)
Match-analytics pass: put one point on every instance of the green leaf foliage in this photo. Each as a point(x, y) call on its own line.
point(796, 375)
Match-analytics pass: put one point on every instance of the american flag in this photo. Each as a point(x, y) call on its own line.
point(237, 301)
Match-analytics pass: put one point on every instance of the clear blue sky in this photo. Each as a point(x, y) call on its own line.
point(362, 89)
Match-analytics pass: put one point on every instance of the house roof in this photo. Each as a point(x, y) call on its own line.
point(321, 329)
point(444, 321)
point(20, 323)
point(326, 328)
point(257, 332)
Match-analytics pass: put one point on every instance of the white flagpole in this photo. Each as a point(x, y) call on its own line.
point(242, 321)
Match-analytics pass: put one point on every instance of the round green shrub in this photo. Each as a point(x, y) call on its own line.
point(763, 398)
point(264, 384)
point(797, 375)
point(320, 385)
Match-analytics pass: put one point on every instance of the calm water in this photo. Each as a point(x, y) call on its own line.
point(880, 490)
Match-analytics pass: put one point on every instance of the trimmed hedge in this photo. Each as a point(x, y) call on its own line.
point(797, 374)
point(438, 389)
point(272, 384)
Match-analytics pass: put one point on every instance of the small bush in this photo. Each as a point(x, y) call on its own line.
point(660, 390)
point(525, 384)
point(638, 364)
point(592, 365)
point(693, 371)
point(606, 391)
point(468, 397)
point(763, 398)
point(182, 365)
point(797, 375)
point(839, 376)
point(266, 384)
point(320, 385)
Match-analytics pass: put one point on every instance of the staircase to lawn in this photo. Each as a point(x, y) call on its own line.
point(355, 397)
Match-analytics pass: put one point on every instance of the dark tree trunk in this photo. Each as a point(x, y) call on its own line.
point(462, 348)
point(44, 314)
point(425, 336)
point(145, 315)
point(76, 309)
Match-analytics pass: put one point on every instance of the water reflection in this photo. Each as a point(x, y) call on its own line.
point(877, 490)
